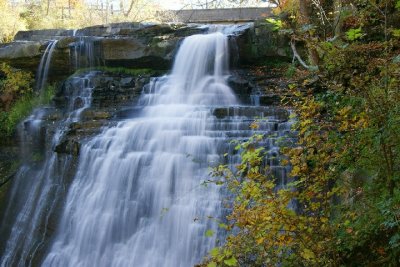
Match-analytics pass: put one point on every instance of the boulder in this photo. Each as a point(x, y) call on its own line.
point(262, 43)
point(41, 35)
point(16, 50)
point(24, 55)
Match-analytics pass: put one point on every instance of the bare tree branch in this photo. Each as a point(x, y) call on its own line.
point(296, 55)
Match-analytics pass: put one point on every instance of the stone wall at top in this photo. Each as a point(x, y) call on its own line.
point(134, 45)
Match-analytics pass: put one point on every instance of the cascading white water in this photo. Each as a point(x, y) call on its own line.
point(83, 54)
point(38, 189)
point(44, 65)
point(136, 199)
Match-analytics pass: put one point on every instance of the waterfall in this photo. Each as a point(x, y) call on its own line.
point(38, 187)
point(137, 198)
point(83, 54)
point(44, 65)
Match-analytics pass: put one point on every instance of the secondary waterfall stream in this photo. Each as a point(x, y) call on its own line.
point(44, 66)
point(39, 185)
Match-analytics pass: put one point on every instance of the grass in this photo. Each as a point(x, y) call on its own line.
point(21, 109)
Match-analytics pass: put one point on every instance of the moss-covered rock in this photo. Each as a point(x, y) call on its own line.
point(262, 43)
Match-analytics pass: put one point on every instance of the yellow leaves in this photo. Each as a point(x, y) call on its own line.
point(344, 126)
point(11, 21)
point(268, 218)
point(345, 111)
point(295, 171)
point(349, 120)
point(260, 240)
point(308, 254)
point(254, 125)
point(284, 162)
point(362, 123)
point(323, 219)
point(297, 151)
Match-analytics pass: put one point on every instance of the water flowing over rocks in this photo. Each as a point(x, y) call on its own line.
point(124, 45)
point(132, 45)
point(138, 145)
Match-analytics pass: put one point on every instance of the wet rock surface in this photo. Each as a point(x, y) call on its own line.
point(131, 45)
point(114, 95)
point(111, 95)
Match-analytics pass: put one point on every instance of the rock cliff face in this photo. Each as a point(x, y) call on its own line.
point(124, 45)
point(69, 122)
point(131, 45)
point(112, 98)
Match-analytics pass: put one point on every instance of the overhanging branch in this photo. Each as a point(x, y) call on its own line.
point(296, 55)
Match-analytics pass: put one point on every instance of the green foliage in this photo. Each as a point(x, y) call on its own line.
point(21, 109)
point(291, 71)
point(396, 32)
point(10, 21)
point(16, 82)
point(209, 233)
point(276, 23)
point(67, 14)
point(344, 179)
point(354, 34)
point(15, 97)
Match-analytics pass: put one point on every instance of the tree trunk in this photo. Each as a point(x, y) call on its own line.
point(338, 17)
point(305, 19)
point(48, 7)
point(130, 8)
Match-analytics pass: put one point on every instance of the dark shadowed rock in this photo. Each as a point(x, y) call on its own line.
point(254, 112)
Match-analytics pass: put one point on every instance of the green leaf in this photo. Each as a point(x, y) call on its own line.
point(214, 252)
point(396, 32)
point(231, 262)
point(209, 233)
point(308, 254)
point(398, 4)
point(277, 24)
point(212, 264)
point(354, 34)
point(223, 226)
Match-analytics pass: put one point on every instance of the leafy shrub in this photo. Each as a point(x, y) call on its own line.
point(15, 84)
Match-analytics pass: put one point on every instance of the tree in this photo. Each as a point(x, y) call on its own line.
point(10, 22)
point(342, 206)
